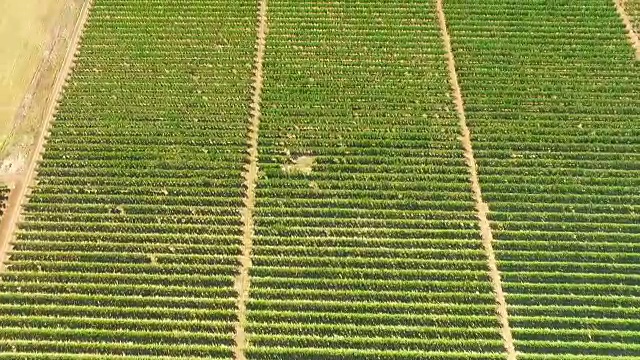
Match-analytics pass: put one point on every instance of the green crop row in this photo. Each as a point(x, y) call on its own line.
point(118, 312)
point(118, 215)
point(438, 260)
point(343, 242)
point(378, 343)
point(210, 351)
point(294, 353)
point(129, 248)
point(369, 274)
point(141, 337)
point(179, 240)
point(119, 290)
point(115, 268)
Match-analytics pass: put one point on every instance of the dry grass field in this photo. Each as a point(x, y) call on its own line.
point(34, 38)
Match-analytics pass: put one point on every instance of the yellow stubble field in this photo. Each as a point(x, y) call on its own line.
point(34, 36)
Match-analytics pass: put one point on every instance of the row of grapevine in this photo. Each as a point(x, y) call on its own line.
point(366, 244)
point(4, 197)
point(130, 240)
point(551, 92)
point(632, 8)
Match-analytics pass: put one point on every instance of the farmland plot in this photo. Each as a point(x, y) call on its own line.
point(130, 239)
point(366, 243)
point(551, 91)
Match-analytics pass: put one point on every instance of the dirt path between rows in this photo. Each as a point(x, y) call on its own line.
point(481, 207)
point(17, 196)
point(626, 20)
point(250, 174)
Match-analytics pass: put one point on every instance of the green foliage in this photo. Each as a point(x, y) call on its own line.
point(550, 90)
point(128, 247)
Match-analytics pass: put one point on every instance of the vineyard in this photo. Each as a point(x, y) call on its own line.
point(559, 163)
point(285, 179)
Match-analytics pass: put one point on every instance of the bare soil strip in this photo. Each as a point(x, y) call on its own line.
point(626, 20)
point(17, 196)
point(250, 178)
point(481, 207)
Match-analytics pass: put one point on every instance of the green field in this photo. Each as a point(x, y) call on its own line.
point(366, 241)
point(557, 138)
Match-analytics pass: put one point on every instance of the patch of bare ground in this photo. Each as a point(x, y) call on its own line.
point(23, 180)
point(250, 174)
point(14, 164)
point(302, 164)
point(621, 7)
point(481, 207)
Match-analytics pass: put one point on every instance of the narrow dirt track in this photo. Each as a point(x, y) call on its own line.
point(17, 197)
point(626, 20)
point(250, 174)
point(481, 207)
point(10, 179)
